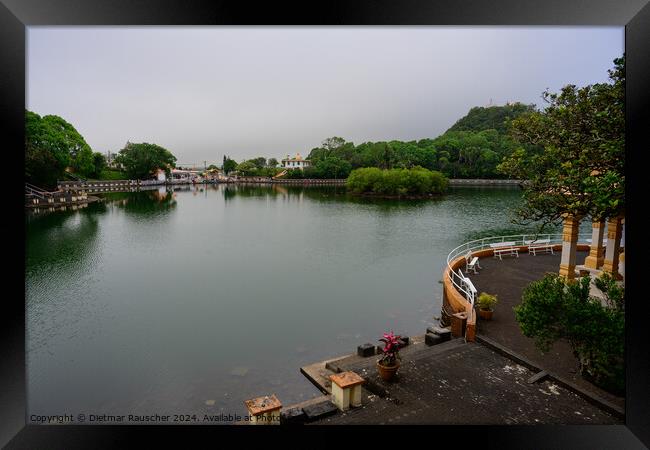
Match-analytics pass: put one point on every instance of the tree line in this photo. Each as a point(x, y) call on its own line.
point(472, 148)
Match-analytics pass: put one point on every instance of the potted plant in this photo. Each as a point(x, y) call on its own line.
point(485, 303)
point(389, 361)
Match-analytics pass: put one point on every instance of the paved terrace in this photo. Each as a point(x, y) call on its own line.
point(507, 280)
point(461, 383)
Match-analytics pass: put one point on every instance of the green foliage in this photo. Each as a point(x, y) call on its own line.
point(614, 294)
point(247, 168)
point(294, 174)
point(472, 154)
point(99, 164)
point(212, 167)
point(496, 118)
point(140, 161)
point(258, 167)
point(486, 301)
point(470, 149)
point(229, 164)
point(51, 146)
point(581, 170)
point(42, 168)
point(416, 181)
point(259, 162)
point(112, 175)
point(552, 309)
point(331, 167)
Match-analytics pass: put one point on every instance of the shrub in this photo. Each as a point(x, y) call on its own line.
point(552, 309)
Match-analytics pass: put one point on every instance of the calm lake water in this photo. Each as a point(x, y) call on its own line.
point(191, 301)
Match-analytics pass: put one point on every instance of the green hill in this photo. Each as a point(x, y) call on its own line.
point(492, 117)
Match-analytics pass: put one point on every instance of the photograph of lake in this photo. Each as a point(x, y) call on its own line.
point(325, 225)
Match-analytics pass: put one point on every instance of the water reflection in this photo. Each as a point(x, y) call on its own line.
point(320, 194)
point(63, 238)
point(147, 203)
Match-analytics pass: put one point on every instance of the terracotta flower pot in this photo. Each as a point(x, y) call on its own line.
point(387, 372)
point(485, 314)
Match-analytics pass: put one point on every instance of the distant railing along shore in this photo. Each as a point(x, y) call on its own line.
point(482, 182)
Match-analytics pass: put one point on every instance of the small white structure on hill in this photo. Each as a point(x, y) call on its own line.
point(296, 162)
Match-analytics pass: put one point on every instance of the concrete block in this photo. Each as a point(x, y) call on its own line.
point(445, 333)
point(293, 416)
point(319, 410)
point(366, 350)
point(405, 340)
point(432, 339)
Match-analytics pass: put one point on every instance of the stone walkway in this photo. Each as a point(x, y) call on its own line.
point(507, 279)
point(462, 383)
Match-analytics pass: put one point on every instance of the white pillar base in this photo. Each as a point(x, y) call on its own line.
point(341, 397)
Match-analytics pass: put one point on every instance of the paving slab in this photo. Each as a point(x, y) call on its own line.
point(464, 383)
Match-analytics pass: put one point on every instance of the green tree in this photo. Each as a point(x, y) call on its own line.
point(68, 139)
point(333, 143)
point(259, 162)
point(247, 168)
point(581, 169)
point(51, 146)
point(329, 168)
point(99, 164)
point(140, 161)
point(272, 162)
point(229, 164)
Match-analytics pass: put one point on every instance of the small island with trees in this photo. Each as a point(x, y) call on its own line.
point(417, 182)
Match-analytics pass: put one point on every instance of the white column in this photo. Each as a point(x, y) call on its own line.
point(614, 232)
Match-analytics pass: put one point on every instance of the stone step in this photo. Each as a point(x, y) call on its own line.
point(318, 374)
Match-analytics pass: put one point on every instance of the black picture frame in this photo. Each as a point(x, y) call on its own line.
point(16, 15)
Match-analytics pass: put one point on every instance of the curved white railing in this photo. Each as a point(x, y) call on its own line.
point(520, 240)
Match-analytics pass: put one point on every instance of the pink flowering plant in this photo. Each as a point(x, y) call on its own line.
point(392, 344)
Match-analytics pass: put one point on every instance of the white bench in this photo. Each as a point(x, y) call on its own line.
point(471, 263)
point(541, 245)
point(504, 248)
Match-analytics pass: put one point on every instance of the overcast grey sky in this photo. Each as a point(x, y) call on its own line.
point(268, 91)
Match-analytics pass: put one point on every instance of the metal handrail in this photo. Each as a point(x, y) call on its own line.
point(520, 240)
point(32, 190)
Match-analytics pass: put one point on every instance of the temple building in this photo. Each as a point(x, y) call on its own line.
point(296, 162)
